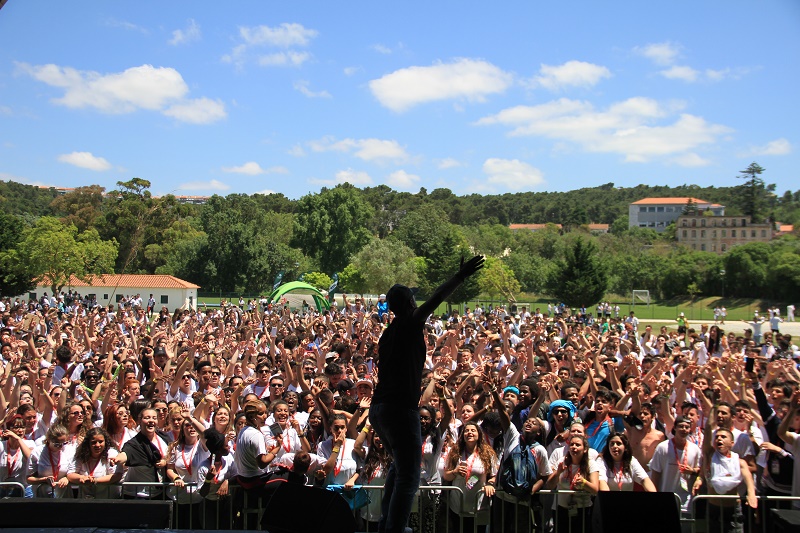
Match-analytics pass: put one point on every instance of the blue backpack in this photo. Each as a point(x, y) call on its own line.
point(519, 471)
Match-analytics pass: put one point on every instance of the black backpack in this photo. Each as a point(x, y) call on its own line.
point(519, 471)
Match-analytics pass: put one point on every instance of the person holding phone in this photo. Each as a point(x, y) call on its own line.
point(340, 466)
point(286, 426)
point(394, 411)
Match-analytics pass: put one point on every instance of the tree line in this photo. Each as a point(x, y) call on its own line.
point(374, 237)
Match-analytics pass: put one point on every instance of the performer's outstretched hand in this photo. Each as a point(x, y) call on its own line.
point(470, 267)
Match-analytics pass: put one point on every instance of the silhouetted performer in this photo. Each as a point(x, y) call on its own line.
point(394, 411)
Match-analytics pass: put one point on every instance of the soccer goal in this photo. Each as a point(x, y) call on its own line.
point(639, 296)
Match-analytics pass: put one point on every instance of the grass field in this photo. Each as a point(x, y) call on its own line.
point(699, 309)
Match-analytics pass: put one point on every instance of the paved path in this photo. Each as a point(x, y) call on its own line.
point(736, 326)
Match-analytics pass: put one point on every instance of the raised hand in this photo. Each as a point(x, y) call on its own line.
point(470, 267)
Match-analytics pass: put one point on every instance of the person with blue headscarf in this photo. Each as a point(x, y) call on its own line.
point(559, 418)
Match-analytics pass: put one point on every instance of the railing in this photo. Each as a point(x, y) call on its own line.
point(239, 510)
point(756, 520)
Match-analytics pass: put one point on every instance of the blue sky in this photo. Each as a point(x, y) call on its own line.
point(206, 98)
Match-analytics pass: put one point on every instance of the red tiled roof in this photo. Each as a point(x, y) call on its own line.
point(786, 228)
point(598, 227)
point(142, 281)
point(681, 200)
point(531, 226)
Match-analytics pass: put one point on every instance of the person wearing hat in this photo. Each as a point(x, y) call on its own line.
point(394, 412)
point(683, 324)
point(383, 306)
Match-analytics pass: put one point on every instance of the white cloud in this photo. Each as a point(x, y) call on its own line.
point(266, 192)
point(690, 159)
point(639, 128)
point(401, 179)
point(512, 174)
point(777, 147)
point(5, 110)
point(659, 53)
point(85, 160)
point(287, 36)
point(187, 35)
point(353, 177)
point(296, 151)
point(284, 36)
point(213, 185)
point(197, 111)
point(284, 59)
point(251, 168)
point(448, 162)
point(366, 149)
point(381, 49)
point(144, 87)
point(126, 26)
point(681, 72)
point(570, 74)
point(302, 86)
point(464, 79)
point(349, 71)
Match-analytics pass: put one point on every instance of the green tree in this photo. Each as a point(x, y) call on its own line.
point(753, 200)
point(15, 277)
point(332, 226)
point(320, 280)
point(82, 206)
point(497, 278)
point(580, 278)
point(54, 252)
point(384, 262)
point(746, 270)
point(532, 271)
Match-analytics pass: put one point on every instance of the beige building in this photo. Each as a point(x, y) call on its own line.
point(658, 213)
point(111, 288)
point(719, 234)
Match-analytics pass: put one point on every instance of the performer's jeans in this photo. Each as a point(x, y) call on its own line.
point(399, 430)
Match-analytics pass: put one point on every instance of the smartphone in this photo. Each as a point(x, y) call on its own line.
point(276, 429)
point(273, 332)
point(749, 364)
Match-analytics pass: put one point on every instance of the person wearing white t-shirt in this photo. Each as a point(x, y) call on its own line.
point(252, 456)
point(619, 469)
point(94, 468)
point(676, 463)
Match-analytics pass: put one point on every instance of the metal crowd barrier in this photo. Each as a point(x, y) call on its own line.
point(755, 520)
point(238, 511)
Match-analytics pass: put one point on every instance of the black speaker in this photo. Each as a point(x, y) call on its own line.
point(633, 512)
point(331, 513)
point(128, 514)
point(785, 521)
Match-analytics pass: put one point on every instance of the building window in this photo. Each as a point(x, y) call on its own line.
point(105, 297)
point(118, 298)
point(763, 233)
point(164, 299)
point(733, 233)
point(651, 209)
point(724, 233)
point(744, 222)
point(713, 247)
point(702, 233)
point(642, 224)
point(660, 209)
point(651, 224)
point(669, 209)
point(684, 234)
point(714, 223)
point(694, 234)
point(694, 246)
point(703, 222)
point(642, 209)
point(753, 233)
point(733, 222)
point(714, 233)
point(703, 247)
point(694, 222)
point(685, 222)
point(724, 247)
point(724, 221)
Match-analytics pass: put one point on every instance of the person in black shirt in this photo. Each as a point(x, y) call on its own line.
point(394, 411)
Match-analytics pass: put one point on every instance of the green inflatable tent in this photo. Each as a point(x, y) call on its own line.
point(292, 286)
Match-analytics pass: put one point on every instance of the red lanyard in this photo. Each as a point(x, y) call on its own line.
point(378, 469)
point(339, 460)
point(221, 465)
point(11, 464)
point(685, 455)
point(287, 442)
point(55, 466)
point(573, 478)
point(266, 390)
point(471, 462)
point(618, 476)
point(188, 464)
point(606, 419)
point(424, 443)
point(91, 473)
point(157, 442)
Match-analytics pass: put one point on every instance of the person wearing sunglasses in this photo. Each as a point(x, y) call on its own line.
point(15, 452)
point(261, 387)
point(49, 464)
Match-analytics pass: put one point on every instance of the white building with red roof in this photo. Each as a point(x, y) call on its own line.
point(658, 213)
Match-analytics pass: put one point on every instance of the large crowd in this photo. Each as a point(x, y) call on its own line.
point(209, 400)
